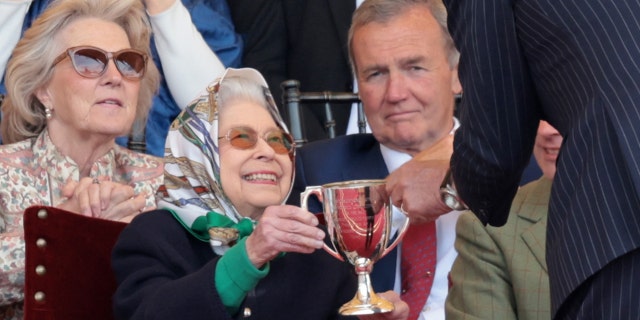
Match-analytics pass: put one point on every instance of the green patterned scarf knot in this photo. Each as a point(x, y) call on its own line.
point(220, 229)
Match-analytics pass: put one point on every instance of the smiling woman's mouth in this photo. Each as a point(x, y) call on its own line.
point(260, 177)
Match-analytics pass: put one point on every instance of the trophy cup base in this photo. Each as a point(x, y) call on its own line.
point(355, 307)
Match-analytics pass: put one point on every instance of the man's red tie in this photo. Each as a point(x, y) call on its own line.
point(418, 265)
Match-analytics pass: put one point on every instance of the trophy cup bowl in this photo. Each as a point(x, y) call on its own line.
point(358, 216)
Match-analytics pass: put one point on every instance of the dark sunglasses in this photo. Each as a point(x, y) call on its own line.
point(91, 62)
point(244, 138)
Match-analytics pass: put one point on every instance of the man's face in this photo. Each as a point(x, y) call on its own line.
point(406, 83)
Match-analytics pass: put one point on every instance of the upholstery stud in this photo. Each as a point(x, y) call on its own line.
point(41, 243)
point(39, 296)
point(42, 214)
point(41, 270)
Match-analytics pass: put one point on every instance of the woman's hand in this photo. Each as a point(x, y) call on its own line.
point(400, 311)
point(283, 228)
point(102, 199)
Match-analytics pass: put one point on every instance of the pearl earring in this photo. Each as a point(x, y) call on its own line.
point(48, 112)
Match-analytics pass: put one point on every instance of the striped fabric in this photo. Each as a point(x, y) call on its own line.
point(575, 63)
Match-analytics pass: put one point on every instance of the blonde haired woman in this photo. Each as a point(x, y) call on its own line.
point(78, 78)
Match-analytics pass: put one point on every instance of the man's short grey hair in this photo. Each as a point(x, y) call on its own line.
point(381, 11)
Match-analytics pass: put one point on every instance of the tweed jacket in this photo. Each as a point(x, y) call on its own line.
point(501, 273)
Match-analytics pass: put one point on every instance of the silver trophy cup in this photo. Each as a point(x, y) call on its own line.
point(358, 216)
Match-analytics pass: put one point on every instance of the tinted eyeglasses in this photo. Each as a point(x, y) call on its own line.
point(244, 138)
point(91, 62)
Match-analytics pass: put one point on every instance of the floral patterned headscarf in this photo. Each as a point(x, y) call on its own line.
point(192, 190)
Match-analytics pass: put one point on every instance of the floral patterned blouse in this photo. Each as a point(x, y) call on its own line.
point(33, 172)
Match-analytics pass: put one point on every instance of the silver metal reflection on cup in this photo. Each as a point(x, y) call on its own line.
point(359, 222)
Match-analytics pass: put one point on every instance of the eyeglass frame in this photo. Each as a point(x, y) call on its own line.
point(111, 56)
point(290, 151)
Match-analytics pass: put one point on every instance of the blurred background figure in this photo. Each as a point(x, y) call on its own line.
point(304, 40)
point(80, 77)
point(501, 272)
point(193, 42)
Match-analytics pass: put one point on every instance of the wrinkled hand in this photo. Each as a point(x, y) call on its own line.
point(283, 228)
point(415, 186)
point(400, 311)
point(106, 200)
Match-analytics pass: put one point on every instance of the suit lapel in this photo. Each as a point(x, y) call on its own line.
point(341, 11)
point(535, 210)
point(534, 237)
point(369, 164)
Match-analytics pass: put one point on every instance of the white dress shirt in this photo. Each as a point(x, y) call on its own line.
point(445, 235)
point(12, 13)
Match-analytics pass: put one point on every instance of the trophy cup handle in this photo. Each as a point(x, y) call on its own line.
point(401, 233)
point(304, 197)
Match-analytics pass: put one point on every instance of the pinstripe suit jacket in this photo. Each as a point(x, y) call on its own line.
point(576, 64)
point(501, 273)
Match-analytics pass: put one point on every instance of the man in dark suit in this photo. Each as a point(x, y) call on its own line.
point(406, 67)
point(303, 40)
point(574, 64)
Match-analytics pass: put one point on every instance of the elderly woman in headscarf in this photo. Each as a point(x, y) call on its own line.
point(223, 245)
